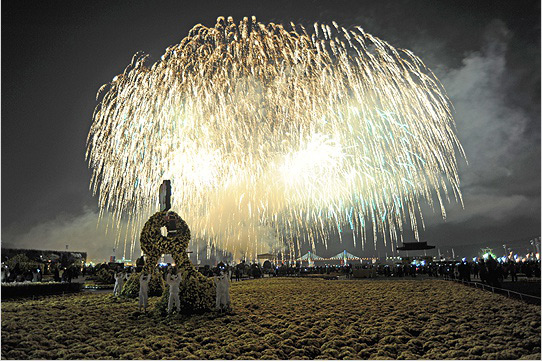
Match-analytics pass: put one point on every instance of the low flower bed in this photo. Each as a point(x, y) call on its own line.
point(283, 318)
point(29, 289)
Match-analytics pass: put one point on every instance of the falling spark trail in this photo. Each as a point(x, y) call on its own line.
point(273, 135)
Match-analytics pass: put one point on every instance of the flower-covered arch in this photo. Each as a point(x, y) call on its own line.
point(197, 292)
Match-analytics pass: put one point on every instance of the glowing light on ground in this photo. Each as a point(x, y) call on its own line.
point(274, 137)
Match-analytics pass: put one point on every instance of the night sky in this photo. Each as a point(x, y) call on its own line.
point(57, 54)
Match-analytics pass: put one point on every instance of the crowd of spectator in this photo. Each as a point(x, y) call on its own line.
point(488, 271)
point(57, 273)
point(492, 272)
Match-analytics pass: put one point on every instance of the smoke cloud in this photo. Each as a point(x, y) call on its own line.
point(80, 233)
point(493, 134)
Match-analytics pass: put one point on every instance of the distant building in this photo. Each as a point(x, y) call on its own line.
point(46, 257)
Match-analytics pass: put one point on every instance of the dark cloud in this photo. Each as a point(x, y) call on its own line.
point(57, 55)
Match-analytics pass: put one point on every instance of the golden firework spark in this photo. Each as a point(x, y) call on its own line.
point(275, 135)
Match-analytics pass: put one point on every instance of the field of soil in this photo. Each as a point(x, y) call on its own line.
point(283, 318)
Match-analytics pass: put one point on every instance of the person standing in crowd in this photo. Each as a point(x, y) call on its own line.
point(68, 274)
point(530, 269)
point(492, 272)
point(144, 290)
point(17, 273)
point(513, 272)
point(475, 270)
point(174, 282)
point(120, 277)
point(483, 271)
point(468, 271)
point(57, 275)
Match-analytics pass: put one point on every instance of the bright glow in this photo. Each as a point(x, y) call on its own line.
point(271, 136)
point(163, 231)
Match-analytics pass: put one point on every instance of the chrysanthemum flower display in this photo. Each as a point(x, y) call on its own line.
point(197, 292)
point(284, 318)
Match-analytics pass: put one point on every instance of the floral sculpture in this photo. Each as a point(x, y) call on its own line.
point(154, 244)
point(197, 292)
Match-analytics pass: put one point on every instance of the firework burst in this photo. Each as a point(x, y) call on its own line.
point(273, 136)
